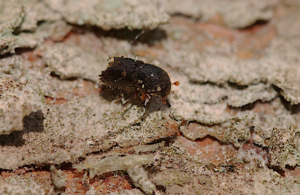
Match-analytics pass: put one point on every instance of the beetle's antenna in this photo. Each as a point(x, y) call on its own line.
point(132, 42)
point(136, 37)
point(176, 83)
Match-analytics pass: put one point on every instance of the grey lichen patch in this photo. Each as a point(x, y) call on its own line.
point(10, 12)
point(91, 121)
point(208, 93)
point(34, 10)
point(196, 92)
point(69, 132)
point(235, 14)
point(289, 83)
point(288, 27)
point(114, 163)
point(203, 113)
point(17, 16)
point(55, 30)
point(183, 183)
point(292, 3)
point(56, 88)
point(194, 8)
point(155, 123)
point(23, 185)
point(140, 179)
point(279, 133)
point(204, 103)
point(133, 113)
point(235, 130)
point(82, 126)
point(201, 103)
point(111, 14)
point(254, 78)
point(252, 157)
point(221, 69)
point(58, 180)
point(196, 131)
point(14, 66)
point(37, 11)
point(239, 182)
point(72, 62)
point(7, 26)
point(126, 192)
point(284, 147)
point(286, 53)
point(240, 14)
point(177, 168)
point(178, 173)
point(147, 148)
point(265, 123)
point(21, 69)
point(17, 99)
point(263, 92)
point(197, 110)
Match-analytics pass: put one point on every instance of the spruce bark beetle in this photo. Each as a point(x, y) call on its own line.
point(145, 79)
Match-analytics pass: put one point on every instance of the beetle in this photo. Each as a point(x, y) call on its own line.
point(147, 79)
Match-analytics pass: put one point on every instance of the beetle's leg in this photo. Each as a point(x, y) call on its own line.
point(143, 96)
point(163, 100)
point(130, 98)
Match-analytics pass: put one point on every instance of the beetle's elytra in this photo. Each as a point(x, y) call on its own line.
point(125, 73)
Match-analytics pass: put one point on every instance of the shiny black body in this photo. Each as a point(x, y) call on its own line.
point(123, 73)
